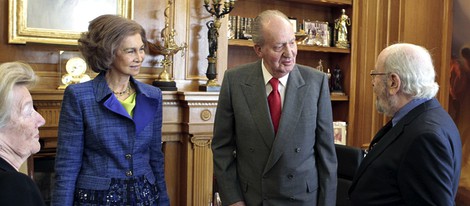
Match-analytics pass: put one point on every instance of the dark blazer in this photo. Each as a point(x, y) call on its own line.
point(98, 140)
point(16, 188)
point(417, 162)
point(295, 167)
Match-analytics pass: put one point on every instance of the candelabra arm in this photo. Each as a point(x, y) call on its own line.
point(218, 10)
point(168, 48)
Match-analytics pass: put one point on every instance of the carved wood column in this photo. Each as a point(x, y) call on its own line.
point(172, 145)
point(198, 118)
point(48, 103)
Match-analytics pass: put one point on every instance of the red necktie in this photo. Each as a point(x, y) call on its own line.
point(274, 101)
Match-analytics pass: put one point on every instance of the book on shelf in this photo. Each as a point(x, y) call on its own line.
point(240, 27)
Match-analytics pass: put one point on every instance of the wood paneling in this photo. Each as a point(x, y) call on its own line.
point(384, 22)
point(188, 160)
point(375, 24)
point(189, 66)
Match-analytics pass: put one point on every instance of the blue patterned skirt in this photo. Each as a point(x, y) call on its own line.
point(122, 192)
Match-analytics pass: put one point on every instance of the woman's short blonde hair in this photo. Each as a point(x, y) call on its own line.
point(12, 74)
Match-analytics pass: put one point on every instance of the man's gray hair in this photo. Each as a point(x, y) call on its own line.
point(260, 20)
point(414, 65)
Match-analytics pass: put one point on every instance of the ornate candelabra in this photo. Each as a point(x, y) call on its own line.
point(168, 49)
point(218, 9)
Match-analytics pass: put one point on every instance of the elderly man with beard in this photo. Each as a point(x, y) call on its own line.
point(415, 158)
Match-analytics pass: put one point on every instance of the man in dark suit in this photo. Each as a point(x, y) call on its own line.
point(265, 155)
point(415, 159)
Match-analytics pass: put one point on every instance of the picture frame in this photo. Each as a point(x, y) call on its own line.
point(339, 132)
point(318, 33)
point(293, 21)
point(311, 31)
point(64, 22)
point(309, 27)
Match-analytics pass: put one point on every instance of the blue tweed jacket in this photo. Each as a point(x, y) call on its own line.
point(98, 140)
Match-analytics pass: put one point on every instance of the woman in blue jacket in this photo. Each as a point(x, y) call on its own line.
point(109, 141)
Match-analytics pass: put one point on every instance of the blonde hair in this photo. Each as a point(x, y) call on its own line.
point(12, 74)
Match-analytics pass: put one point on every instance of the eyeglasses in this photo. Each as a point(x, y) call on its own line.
point(373, 73)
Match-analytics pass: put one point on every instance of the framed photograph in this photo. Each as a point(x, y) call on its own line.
point(58, 21)
point(339, 132)
point(311, 31)
point(293, 21)
point(309, 27)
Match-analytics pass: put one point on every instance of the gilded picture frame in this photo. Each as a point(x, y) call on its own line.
point(58, 21)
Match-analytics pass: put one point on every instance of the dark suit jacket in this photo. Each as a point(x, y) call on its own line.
point(17, 189)
point(98, 140)
point(417, 162)
point(295, 167)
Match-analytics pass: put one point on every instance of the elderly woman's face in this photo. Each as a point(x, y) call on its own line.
point(129, 56)
point(22, 133)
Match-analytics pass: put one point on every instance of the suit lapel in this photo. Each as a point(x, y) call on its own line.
point(381, 141)
point(380, 134)
point(104, 96)
point(293, 104)
point(255, 94)
point(144, 112)
point(389, 137)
